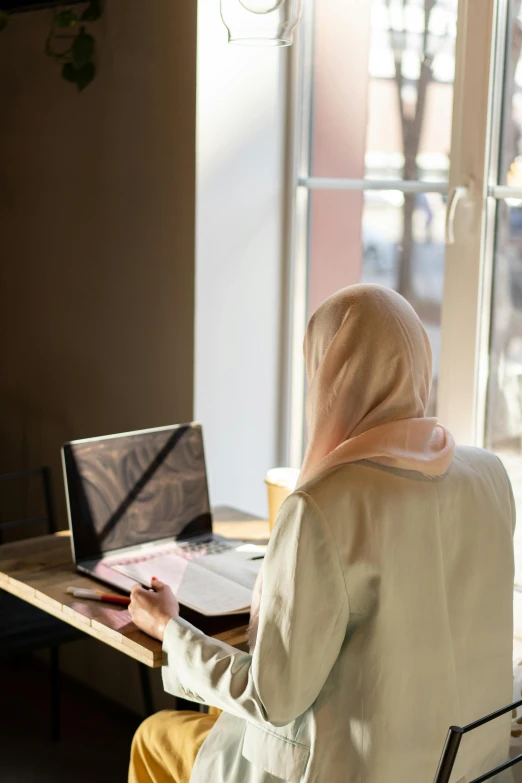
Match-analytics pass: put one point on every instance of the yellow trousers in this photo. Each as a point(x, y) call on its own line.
point(165, 746)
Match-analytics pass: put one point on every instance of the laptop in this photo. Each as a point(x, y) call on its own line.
point(138, 504)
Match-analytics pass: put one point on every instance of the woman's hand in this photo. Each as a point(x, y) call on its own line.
point(152, 609)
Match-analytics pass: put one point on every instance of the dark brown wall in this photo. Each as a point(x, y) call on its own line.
point(96, 232)
point(97, 248)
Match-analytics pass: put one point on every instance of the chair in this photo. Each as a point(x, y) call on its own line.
point(453, 740)
point(26, 629)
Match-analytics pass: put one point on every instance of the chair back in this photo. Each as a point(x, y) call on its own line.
point(453, 740)
point(49, 519)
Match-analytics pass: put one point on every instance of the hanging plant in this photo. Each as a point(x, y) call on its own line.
point(70, 43)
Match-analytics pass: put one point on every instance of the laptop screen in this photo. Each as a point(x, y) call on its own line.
point(131, 489)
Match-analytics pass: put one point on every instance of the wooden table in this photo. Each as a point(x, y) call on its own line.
point(39, 570)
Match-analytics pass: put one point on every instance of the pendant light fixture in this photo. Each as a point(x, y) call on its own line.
point(261, 22)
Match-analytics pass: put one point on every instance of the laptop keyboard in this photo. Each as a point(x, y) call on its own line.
point(212, 547)
point(189, 550)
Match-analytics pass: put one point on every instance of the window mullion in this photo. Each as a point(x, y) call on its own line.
point(461, 324)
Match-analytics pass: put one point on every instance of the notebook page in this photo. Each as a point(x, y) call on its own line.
point(236, 565)
point(195, 587)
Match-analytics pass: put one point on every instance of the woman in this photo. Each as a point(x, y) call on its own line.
point(385, 610)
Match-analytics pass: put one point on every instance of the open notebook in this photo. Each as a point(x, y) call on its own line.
point(212, 585)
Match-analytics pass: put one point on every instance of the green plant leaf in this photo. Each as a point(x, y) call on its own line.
point(3, 20)
point(93, 11)
point(85, 75)
point(66, 18)
point(82, 49)
point(69, 72)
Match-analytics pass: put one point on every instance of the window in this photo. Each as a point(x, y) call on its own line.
point(375, 113)
point(409, 173)
point(503, 430)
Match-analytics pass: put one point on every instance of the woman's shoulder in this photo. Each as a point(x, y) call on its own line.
point(353, 480)
point(476, 462)
point(368, 471)
point(355, 477)
point(343, 484)
point(473, 455)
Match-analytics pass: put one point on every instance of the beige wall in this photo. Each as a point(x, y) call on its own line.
point(96, 244)
point(241, 107)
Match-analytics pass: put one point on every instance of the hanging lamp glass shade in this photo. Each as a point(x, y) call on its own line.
point(261, 22)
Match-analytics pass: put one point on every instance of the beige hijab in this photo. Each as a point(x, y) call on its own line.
point(368, 362)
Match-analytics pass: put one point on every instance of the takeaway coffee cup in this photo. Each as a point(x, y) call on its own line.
point(280, 483)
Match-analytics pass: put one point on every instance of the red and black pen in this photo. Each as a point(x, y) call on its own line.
point(93, 595)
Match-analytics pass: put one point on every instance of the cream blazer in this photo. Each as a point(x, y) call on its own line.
point(386, 616)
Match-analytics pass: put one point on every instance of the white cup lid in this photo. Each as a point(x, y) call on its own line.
point(283, 477)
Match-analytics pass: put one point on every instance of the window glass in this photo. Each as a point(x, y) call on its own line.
point(383, 88)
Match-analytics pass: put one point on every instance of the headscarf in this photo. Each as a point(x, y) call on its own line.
point(368, 362)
